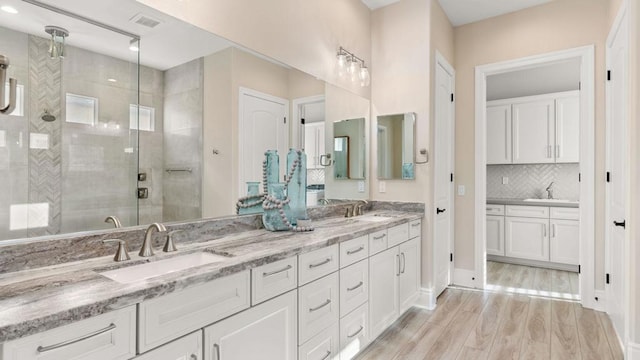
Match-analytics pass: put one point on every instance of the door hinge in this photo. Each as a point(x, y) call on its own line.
point(451, 257)
point(451, 97)
point(285, 119)
point(579, 177)
point(579, 269)
point(608, 75)
point(451, 177)
point(608, 176)
point(607, 279)
point(579, 85)
point(301, 121)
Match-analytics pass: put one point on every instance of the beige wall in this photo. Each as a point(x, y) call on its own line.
point(303, 34)
point(555, 26)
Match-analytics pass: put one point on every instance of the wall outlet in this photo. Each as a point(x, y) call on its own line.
point(505, 180)
point(382, 186)
point(361, 186)
point(461, 190)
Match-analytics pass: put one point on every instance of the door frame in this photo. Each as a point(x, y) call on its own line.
point(586, 54)
point(241, 127)
point(297, 129)
point(621, 17)
point(441, 61)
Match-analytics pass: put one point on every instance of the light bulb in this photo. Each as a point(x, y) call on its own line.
point(342, 64)
point(354, 70)
point(365, 78)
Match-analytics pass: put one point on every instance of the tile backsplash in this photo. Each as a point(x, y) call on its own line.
point(531, 180)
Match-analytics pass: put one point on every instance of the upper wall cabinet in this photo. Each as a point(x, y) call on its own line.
point(534, 130)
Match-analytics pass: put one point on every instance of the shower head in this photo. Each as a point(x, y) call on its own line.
point(48, 117)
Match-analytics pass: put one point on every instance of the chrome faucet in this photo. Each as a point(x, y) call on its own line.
point(358, 209)
point(114, 219)
point(549, 191)
point(147, 249)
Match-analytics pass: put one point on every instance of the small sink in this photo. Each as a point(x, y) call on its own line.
point(552, 201)
point(373, 218)
point(131, 274)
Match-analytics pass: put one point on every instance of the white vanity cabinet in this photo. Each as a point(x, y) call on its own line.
point(527, 238)
point(495, 229)
point(110, 336)
point(267, 332)
point(186, 348)
point(498, 134)
point(533, 132)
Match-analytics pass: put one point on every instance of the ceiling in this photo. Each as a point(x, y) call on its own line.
point(162, 47)
point(462, 12)
point(555, 77)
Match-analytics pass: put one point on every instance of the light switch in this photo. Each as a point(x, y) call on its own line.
point(382, 186)
point(361, 186)
point(461, 190)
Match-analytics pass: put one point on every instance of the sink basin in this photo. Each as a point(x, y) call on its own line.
point(131, 274)
point(552, 201)
point(373, 218)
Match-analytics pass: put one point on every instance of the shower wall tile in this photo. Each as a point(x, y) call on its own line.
point(530, 181)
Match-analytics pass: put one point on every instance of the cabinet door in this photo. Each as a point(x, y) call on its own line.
point(527, 238)
point(354, 286)
point(383, 290)
point(409, 274)
point(499, 134)
point(568, 129)
point(565, 241)
point(319, 305)
point(310, 145)
point(354, 329)
point(495, 235)
point(533, 132)
point(324, 346)
point(267, 332)
point(185, 348)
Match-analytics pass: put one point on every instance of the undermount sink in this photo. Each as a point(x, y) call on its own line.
point(373, 218)
point(552, 200)
point(131, 274)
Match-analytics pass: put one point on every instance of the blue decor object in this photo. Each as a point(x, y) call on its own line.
point(252, 203)
point(407, 171)
point(271, 169)
point(276, 207)
point(297, 185)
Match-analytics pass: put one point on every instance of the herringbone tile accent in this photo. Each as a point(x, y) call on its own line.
point(530, 181)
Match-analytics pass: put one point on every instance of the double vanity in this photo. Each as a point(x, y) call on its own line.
point(252, 294)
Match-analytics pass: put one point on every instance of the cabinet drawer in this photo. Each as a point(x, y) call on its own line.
point(398, 234)
point(104, 337)
point(324, 346)
point(354, 286)
point(528, 211)
point(415, 228)
point(185, 348)
point(316, 264)
point(171, 316)
point(495, 209)
point(354, 332)
point(564, 213)
point(318, 306)
point(354, 250)
point(377, 241)
point(271, 280)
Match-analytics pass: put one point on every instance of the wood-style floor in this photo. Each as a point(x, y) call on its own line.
point(477, 325)
point(528, 280)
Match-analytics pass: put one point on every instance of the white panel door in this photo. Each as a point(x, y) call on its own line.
point(527, 238)
point(617, 189)
point(495, 235)
point(314, 144)
point(443, 173)
point(384, 271)
point(262, 127)
point(499, 134)
point(409, 285)
point(564, 245)
point(567, 148)
point(267, 332)
point(533, 132)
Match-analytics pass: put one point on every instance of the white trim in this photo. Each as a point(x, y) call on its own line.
point(587, 159)
point(296, 104)
point(601, 303)
point(426, 299)
point(633, 351)
point(442, 62)
point(250, 92)
point(464, 277)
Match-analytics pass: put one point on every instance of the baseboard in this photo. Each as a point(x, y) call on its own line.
point(534, 263)
point(426, 299)
point(464, 278)
point(633, 351)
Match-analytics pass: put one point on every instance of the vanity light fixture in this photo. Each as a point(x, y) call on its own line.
point(56, 44)
point(350, 64)
point(134, 45)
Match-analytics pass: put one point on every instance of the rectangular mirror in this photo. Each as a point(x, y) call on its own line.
point(349, 149)
point(396, 146)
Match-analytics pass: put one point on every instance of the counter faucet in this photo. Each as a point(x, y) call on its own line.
point(549, 191)
point(114, 219)
point(147, 249)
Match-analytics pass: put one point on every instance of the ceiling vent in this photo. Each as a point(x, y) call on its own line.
point(145, 20)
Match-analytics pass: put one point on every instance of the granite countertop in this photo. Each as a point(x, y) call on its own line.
point(535, 202)
point(36, 300)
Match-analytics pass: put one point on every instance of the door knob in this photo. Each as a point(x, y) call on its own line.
point(438, 210)
point(620, 223)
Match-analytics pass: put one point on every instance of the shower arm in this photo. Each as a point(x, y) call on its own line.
point(13, 83)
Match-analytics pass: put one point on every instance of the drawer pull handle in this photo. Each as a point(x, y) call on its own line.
point(404, 263)
point(356, 333)
point(320, 306)
point(355, 287)
point(265, 274)
point(379, 237)
point(42, 349)
point(327, 355)
point(351, 252)
point(326, 261)
point(216, 349)
point(398, 258)
point(416, 224)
